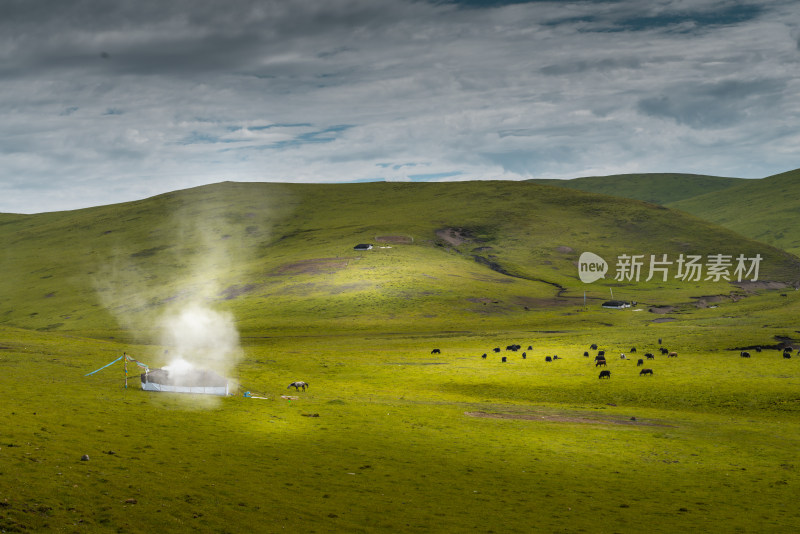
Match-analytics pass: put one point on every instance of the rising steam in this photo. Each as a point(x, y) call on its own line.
point(170, 287)
point(197, 336)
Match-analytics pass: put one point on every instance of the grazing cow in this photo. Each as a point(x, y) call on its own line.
point(586, 354)
point(621, 356)
point(758, 349)
point(605, 373)
point(594, 346)
point(601, 353)
point(787, 355)
point(788, 349)
point(484, 356)
point(599, 357)
point(672, 355)
point(496, 349)
point(504, 359)
point(598, 363)
point(659, 341)
point(663, 350)
point(548, 359)
point(436, 351)
point(649, 356)
point(297, 385)
point(644, 372)
point(530, 347)
point(556, 357)
point(744, 354)
point(639, 362)
point(524, 355)
point(633, 349)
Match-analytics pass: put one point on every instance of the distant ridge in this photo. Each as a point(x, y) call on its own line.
point(656, 188)
point(767, 210)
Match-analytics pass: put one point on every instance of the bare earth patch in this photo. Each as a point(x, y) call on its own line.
point(589, 419)
point(453, 236)
point(662, 309)
point(231, 292)
point(710, 300)
point(534, 303)
point(312, 266)
point(751, 287)
point(482, 300)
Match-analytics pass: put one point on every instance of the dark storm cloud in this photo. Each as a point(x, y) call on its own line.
point(153, 37)
point(714, 15)
point(108, 101)
point(715, 105)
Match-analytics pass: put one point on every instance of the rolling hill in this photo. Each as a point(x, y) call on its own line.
point(761, 209)
point(657, 188)
point(447, 256)
point(767, 210)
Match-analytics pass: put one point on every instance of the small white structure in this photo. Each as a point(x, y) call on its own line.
point(200, 381)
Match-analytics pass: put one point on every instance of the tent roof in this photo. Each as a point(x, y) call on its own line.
point(616, 304)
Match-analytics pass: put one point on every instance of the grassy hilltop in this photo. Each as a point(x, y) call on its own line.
point(657, 188)
point(390, 437)
point(764, 210)
point(281, 255)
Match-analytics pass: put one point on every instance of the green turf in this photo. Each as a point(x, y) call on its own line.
point(657, 188)
point(764, 209)
point(389, 437)
point(386, 438)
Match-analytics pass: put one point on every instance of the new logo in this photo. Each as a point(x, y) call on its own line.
point(591, 267)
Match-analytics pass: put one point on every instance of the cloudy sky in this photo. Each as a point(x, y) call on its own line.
point(104, 102)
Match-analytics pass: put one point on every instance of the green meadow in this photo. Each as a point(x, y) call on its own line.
point(390, 437)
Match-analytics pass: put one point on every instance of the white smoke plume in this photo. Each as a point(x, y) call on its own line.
point(170, 288)
point(197, 336)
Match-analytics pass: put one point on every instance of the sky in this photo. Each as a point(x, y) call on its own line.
point(105, 102)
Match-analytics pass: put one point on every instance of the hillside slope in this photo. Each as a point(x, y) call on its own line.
point(767, 210)
point(657, 188)
point(447, 256)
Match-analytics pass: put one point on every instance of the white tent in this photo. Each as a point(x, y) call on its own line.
point(191, 381)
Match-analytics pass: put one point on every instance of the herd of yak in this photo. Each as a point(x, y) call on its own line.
point(600, 358)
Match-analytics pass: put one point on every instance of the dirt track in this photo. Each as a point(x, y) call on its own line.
point(591, 419)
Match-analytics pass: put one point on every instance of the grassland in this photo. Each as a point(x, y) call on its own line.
point(390, 438)
point(657, 188)
point(764, 209)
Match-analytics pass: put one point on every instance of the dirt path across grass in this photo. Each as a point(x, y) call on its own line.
point(591, 419)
